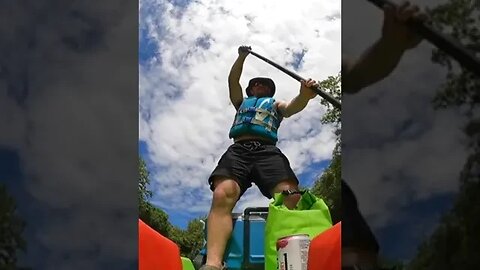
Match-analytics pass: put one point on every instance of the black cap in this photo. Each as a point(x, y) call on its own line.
point(267, 81)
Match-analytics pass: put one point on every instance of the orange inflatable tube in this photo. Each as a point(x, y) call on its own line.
point(325, 250)
point(156, 252)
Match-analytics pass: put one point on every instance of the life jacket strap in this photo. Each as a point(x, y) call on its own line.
point(252, 120)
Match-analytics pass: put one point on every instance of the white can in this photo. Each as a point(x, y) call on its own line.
point(292, 252)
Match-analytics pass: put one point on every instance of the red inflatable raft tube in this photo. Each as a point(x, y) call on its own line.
point(156, 252)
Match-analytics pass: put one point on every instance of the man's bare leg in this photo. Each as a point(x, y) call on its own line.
point(219, 222)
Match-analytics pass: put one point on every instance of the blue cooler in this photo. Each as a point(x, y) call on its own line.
point(245, 249)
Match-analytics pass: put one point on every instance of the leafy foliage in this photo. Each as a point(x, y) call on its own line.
point(154, 217)
point(189, 240)
point(460, 20)
point(143, 192)
point(327, 185)
point(11, 228)
point(331, 85)
point(454, 244)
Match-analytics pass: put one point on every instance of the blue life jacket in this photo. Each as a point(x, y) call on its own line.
point(256, 116)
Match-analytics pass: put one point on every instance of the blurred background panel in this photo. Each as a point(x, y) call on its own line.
point(410, 141)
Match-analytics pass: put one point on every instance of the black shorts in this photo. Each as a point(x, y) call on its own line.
point(254, 161)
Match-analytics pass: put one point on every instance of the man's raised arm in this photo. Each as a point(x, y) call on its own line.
point(236, 95)
point(378, 61)
point(299, 102)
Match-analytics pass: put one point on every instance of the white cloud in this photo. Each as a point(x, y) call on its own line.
point(185, 93)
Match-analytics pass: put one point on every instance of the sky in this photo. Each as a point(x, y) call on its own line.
point(397, 142)
point(186, 51)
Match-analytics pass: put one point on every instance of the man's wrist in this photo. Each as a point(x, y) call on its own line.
point(304, 96)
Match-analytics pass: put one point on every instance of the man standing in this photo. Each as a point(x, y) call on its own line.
point(253, 157)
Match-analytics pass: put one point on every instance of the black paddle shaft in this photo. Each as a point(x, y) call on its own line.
point(462, 55)
point(319, 91)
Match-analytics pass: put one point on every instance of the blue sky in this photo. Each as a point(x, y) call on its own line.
point(147, 47)
point(185, 59)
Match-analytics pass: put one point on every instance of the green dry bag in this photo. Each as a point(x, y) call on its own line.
point(311, 216)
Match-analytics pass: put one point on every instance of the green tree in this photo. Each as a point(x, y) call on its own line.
point(143, 182)
point(11, 228)
point(454, 244)
point(154, 217)
point(190, 241)
point(194, 240)
point(328, 184)
point(460, 20)
point(332, 86)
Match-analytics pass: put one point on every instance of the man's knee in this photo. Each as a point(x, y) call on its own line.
point(226, 192)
